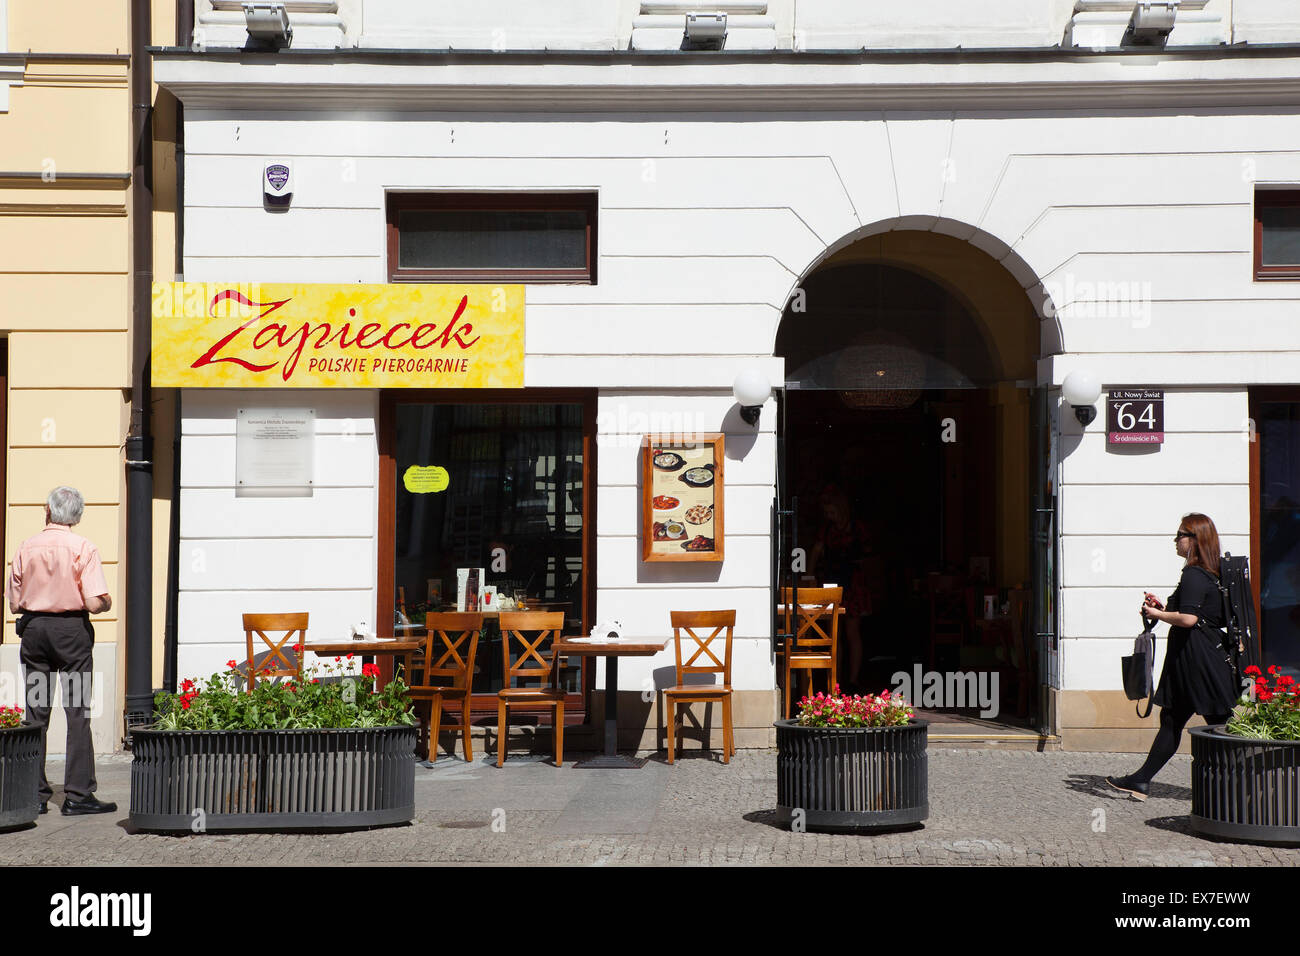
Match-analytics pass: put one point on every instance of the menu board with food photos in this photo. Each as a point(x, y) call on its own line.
point(681, 498)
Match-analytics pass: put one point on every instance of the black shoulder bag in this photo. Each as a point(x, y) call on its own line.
point(1139, 668)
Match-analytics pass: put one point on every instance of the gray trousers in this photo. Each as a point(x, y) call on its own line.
point(63, 646)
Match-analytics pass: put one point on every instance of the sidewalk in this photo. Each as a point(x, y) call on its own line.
point(987, 807)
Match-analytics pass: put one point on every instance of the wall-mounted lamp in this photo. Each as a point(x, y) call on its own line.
point(268, 24)
point(1153, 20)
point(1081, 389)
point(751, 389)
point(705, 31)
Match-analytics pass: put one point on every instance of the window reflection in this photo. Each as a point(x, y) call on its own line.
point(511, 505)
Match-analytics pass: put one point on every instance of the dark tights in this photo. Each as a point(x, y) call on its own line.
point(1172, 722)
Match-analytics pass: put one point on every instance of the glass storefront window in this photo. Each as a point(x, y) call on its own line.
point(1279, 531)
point(491, 486)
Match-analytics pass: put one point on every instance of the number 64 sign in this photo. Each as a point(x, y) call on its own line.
point(1135, 416)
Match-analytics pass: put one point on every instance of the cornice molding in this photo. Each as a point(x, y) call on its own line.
point(555, 83)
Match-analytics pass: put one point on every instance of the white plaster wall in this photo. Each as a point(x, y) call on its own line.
point(274, 555)
point(929, 24)
point(641, 594)
point(498, 24)
point(1119, 509)
point(1136, 224)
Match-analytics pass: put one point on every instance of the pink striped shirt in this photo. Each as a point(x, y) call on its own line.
point(55, 570)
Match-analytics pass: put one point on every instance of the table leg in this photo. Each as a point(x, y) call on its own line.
point(611, 707)
point(611, 760)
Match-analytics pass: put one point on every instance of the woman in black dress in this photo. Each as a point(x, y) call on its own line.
point(1197, 676)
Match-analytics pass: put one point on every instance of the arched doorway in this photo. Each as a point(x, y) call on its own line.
point(913, 438)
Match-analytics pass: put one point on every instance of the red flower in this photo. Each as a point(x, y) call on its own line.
point(349, 657)
point(1252, 669)
point(230, 664)
point(370, 670)
point(1273, 668)
point(297, 647)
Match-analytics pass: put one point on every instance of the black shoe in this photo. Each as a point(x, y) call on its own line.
point(45, 807)
point(1137, 789)
point(89, 805)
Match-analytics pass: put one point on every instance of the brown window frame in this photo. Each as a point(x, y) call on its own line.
point(576, 705)
point(1276, 197)
point(585, 202)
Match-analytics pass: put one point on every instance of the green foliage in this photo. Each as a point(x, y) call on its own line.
point(340, 701)
point(1273, 710)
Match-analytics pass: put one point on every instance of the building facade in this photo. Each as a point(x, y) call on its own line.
point(914, 219)
point(65, 302)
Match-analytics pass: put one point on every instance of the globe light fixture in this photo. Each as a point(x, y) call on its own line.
point(751, 389)
point(1081, 389)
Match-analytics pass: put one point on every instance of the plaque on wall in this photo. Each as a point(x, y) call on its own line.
point(1135, 416)
point(275, 452)
point(681, 497)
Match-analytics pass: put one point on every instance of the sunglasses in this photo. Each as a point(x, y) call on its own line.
point(1184, 534)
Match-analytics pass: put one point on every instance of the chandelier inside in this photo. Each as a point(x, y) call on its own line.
point(884, 370)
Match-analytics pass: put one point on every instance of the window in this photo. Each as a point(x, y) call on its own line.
point(492, 237)
point(513, 497)
point(1277, 234)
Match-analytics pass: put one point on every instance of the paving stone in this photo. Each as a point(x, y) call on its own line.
point(987, 808)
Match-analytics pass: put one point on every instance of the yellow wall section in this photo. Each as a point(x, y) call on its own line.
point(64, 244)
point(61, 418)
point(34, 471)
point(65, 26)
point(78, 130)
point(61, 301)
point(60, 360)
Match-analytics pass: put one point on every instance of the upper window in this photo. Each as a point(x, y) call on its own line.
point(492, 237)
point(1277, 234)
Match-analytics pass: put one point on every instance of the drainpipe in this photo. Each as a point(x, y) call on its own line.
point(184, 37)
point(139, 466)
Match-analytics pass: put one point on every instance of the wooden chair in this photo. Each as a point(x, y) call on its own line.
point(527, 666)
point(259, 624)
point(684, 693)
point(811, 647)
point(450, 644)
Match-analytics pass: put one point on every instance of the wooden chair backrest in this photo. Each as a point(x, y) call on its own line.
point(545, 625)
point(290, 624)
point(689, 620)
point(449, 648)
point(812, 631)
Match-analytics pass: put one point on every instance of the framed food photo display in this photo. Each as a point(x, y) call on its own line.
point(681, 498)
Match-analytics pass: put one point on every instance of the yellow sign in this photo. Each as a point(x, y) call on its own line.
point(424, 479)
point(226, 335)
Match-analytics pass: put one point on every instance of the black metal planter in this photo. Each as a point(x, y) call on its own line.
point(201, 780)
point(1245, 790)
point(20, 775)
point(852, 779)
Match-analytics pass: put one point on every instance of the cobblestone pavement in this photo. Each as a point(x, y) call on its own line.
point(987, 808)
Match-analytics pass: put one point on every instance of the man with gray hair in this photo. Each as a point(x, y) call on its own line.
point(56, 582)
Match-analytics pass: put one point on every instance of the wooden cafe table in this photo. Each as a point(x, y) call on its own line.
point(611, 649)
